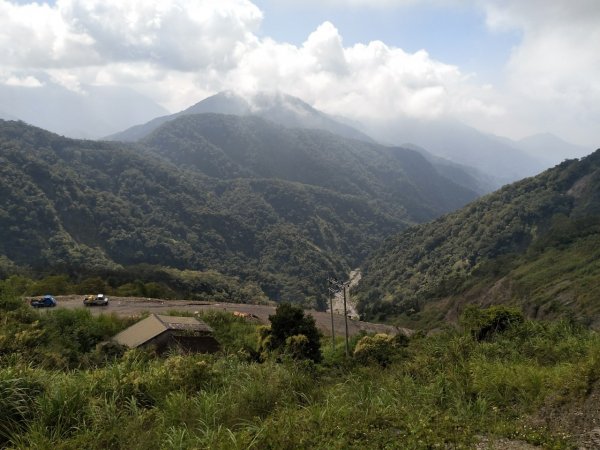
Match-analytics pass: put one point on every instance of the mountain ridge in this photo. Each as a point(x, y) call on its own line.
point(252, 145)
point(277, 107)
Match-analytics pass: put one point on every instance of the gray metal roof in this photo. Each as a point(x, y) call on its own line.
point(156, 324)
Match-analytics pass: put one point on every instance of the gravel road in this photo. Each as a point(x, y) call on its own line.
point(134, 306)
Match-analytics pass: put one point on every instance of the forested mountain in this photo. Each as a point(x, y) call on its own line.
point(72, 206)
point(534, 243)
point(292, 112)
point(400, 181)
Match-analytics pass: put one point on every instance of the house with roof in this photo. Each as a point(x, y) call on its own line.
point(169, 332)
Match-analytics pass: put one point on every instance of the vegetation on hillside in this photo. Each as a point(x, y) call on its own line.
point(276, 221)
point(533, 243)
point(450, 390)
point(399, 181)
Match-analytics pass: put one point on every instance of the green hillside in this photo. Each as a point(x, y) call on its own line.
point(400, 181)
point(85, 207)
point(534, 243)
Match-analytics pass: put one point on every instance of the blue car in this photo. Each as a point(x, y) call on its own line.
point(47, 301)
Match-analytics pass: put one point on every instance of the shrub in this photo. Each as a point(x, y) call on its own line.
point(485, 323)
point(382, 349)
point(290, 322)
point(297, 346)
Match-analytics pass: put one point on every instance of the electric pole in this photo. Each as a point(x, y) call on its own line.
point(342, 286)
point(346, 319)
point(332, 292)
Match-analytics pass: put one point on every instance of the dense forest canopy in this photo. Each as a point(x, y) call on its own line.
point(534, 243)
point(210, 193)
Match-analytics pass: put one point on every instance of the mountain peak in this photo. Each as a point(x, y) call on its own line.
point(275, 106)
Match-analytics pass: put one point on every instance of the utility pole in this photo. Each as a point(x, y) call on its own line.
point(342, 286)
point(331, 294)
point(346, 320)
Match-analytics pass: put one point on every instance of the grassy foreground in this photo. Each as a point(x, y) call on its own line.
point(451, 390)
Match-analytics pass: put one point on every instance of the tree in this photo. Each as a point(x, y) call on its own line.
point(292, 332)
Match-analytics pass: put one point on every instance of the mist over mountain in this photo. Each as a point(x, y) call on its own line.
point(94, 112)
point(461, 174)
point(550, 148)
point(292, 112)
point(534, 243)
point(275, 106)
point(482, 162)
point(6, 116)
point(462, 144)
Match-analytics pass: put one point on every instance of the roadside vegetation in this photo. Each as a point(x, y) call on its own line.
point(496, 375)
point(141, 281)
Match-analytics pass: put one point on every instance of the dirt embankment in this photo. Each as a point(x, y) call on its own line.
point(134, 306)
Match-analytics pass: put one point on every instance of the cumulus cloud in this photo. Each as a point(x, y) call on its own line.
point(179, 51)
point(179, 34)
point(176, 51)
point(25, 81)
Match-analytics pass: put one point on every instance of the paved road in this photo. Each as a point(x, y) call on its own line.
point(134, 306)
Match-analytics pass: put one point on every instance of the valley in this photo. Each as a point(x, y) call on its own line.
point(480, 309)
point(299, 225)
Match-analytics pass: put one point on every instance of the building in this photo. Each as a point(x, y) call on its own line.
point(169, 332)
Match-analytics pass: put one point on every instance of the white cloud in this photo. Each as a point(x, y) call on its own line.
point(369, 4)
point(26, 81)
point(179, 51)
point(553, 75)
point(176, 51)
point(362, 81)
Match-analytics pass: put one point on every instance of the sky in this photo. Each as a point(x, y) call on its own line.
point(509, 67)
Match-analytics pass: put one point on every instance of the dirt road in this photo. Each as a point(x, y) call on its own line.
point(338, 298)
point(134, 306)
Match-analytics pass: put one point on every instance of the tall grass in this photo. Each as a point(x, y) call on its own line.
point(443, 391)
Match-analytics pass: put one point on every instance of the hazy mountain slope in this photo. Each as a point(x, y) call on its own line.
point(277, 107)
point(550, 149)
point(400, 181)
point(463, 175)
point(5, 116)
point(80, 206)
point(462, 144)
point(534, 242)
point(96, 112)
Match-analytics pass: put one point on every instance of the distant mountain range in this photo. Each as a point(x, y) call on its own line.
point(503, 160)
point(229, 147)
point(534, 243)
point(550, 149)
point(93, 112)
point(292, 112)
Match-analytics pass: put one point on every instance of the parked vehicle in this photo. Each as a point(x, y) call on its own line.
point(95, 300)
point(47, 301)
